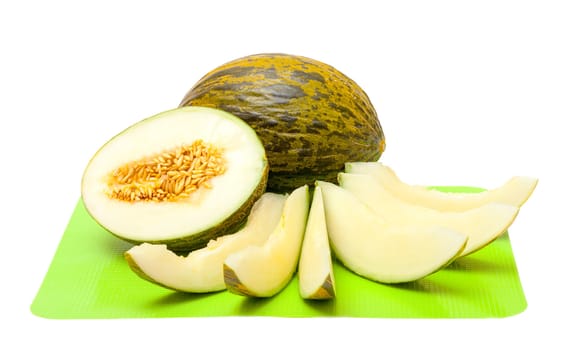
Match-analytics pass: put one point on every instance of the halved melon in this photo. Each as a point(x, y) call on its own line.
point(383, 251)
point(180, 178)
point(515, 191)
point(482, 225)
point(201, 270)
point(315, 269)
point(263, 271)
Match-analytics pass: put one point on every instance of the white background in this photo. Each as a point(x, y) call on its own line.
point(468, 93)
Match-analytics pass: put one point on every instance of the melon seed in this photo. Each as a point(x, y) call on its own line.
point(168, 176)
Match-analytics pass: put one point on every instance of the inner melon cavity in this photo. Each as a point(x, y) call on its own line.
point(167, 176)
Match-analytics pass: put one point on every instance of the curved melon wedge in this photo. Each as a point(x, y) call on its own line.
point(263, 271)
point(315, 269)
point(515, 191)
point(482, 225)
point(201, 270)
point(382, 251)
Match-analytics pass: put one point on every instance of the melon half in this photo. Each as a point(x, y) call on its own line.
point(179, 178)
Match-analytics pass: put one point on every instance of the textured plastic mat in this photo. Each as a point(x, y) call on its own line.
point(89, 279)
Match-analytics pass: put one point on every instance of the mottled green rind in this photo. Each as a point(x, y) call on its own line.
point(234, 284)
point(311, 118)
point(325, 291)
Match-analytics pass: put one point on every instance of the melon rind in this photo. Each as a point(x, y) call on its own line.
point(311, 117)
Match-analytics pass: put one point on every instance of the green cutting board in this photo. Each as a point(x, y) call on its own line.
point(89, 279)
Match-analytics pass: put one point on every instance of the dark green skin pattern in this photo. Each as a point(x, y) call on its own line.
point(311, 118)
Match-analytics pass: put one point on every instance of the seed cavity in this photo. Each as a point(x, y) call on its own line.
point(168, 176)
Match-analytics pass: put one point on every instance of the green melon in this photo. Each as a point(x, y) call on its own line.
point(310, 117)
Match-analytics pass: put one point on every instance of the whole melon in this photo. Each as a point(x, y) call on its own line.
point(310, 117)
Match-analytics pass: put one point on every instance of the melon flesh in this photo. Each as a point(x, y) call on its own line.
point(515, 191)
point(263, 271)
point(384, 251)
point(206, 210)
point(315, 269)
point(481, 225)
point(202, 270)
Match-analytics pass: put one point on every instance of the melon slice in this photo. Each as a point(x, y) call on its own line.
point(201, 270)
point(180, 178)
point(263, 271)
point(515, 191)
point(482, 225)
point(315, 269)
point(383, 251)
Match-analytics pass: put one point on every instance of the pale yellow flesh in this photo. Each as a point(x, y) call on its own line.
point(265, 270)
point(202, 270)
point(315, 269)
point(515, 191)
point(481, 225)
point(383, 251)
